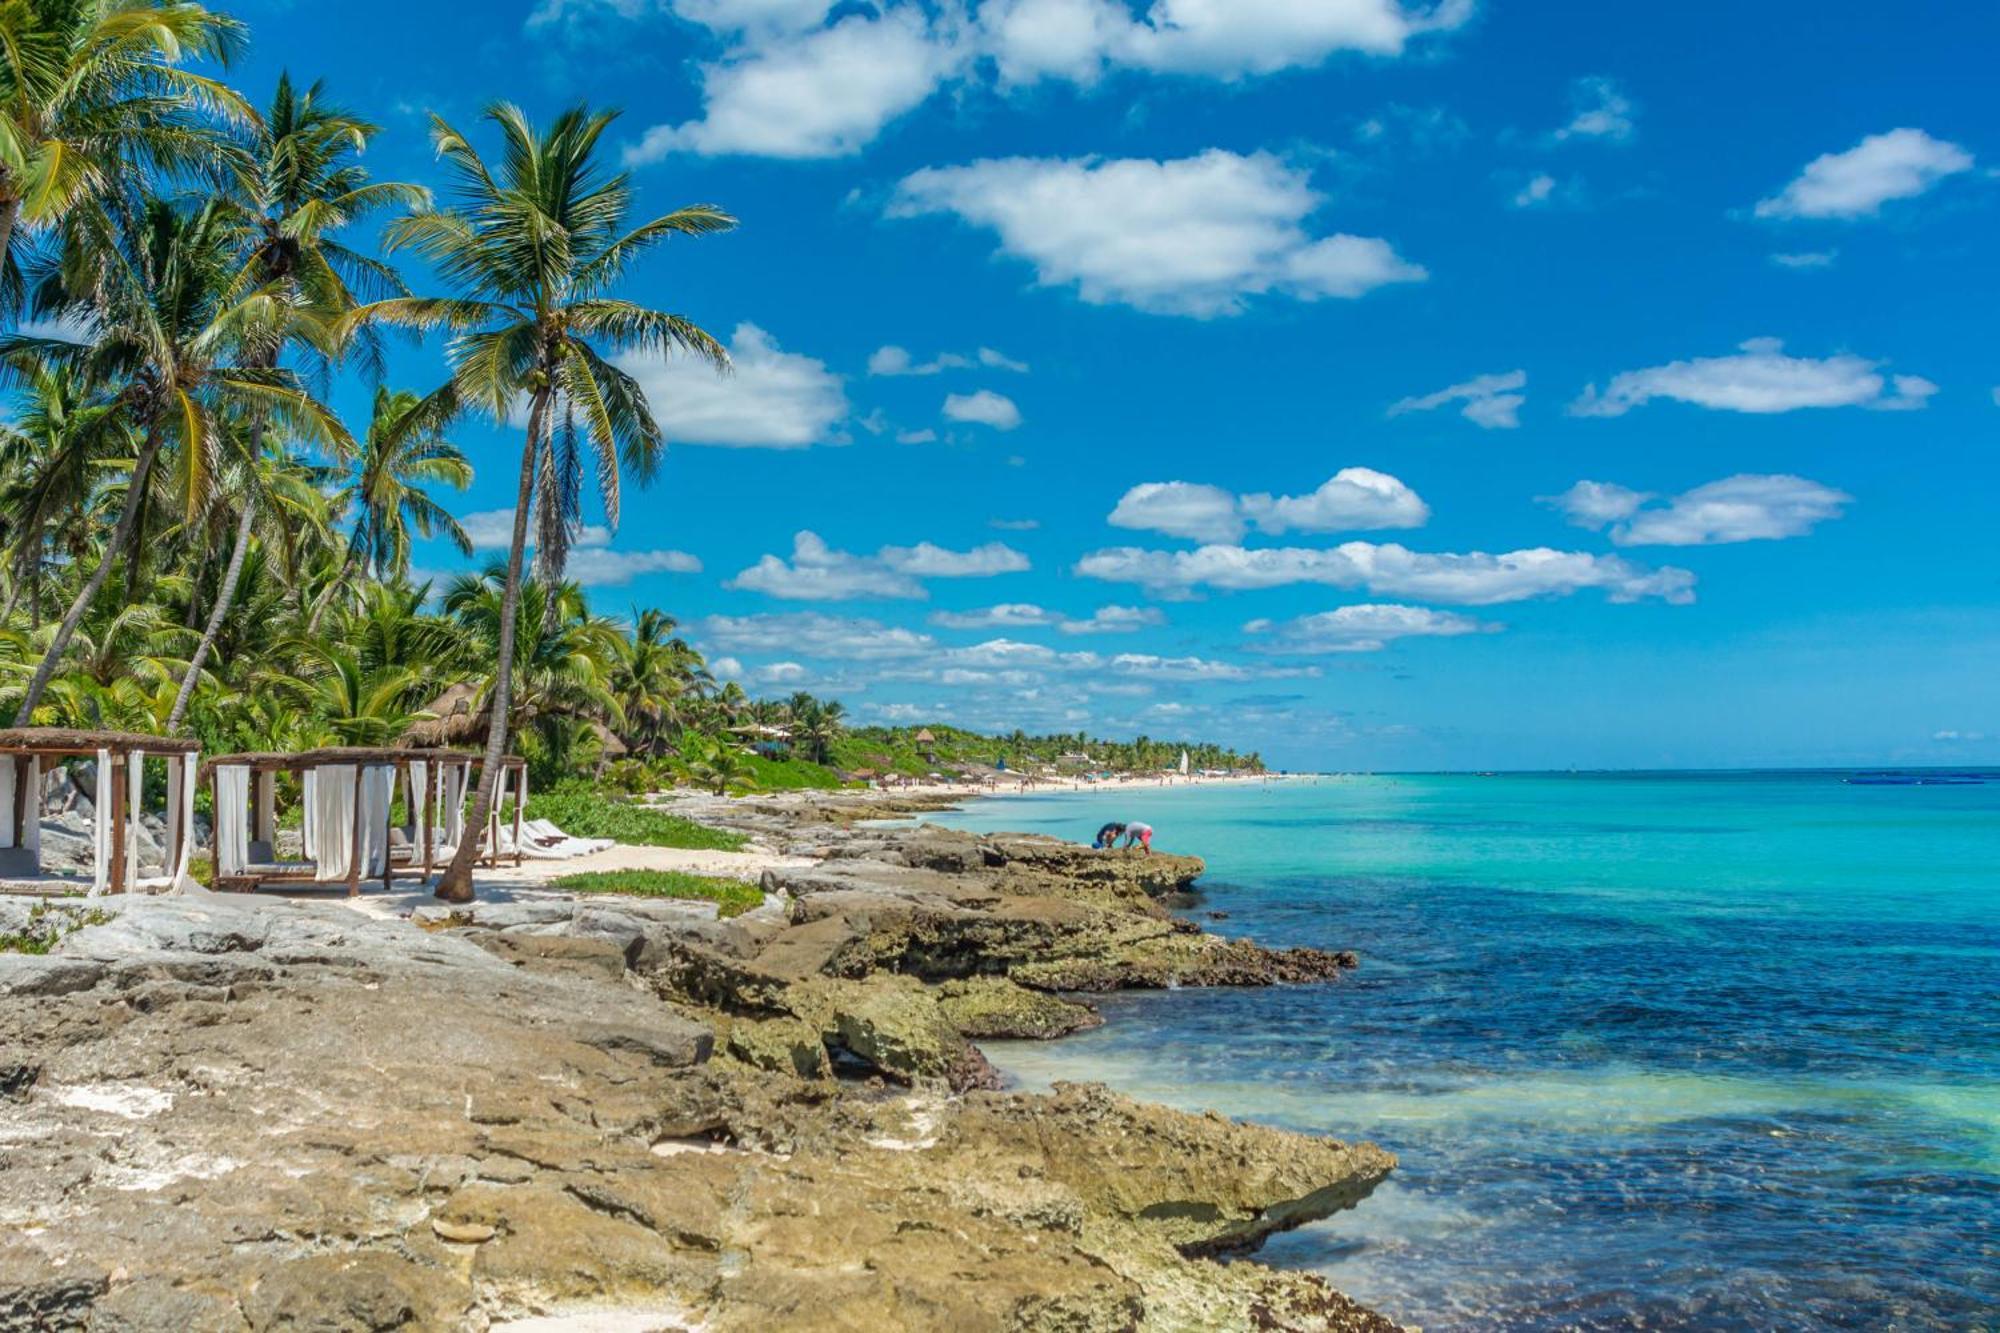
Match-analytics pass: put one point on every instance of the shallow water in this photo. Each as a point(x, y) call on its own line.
point(1695, 1050)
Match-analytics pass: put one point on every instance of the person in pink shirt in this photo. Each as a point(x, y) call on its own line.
point(1142, 835)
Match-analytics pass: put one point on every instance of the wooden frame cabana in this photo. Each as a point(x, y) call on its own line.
point(435, 780)
point(515, 769)
point(120, 758)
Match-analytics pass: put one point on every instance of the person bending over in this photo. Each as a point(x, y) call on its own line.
point(1142, 834)
point(1107, 837)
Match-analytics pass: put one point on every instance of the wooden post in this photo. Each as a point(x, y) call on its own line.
point(115, 881)
point(354, 852)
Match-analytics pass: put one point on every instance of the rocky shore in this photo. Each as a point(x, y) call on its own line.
point(231, 1114)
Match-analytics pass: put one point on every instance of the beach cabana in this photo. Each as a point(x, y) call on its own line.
point(120, 759)
point(347, 828)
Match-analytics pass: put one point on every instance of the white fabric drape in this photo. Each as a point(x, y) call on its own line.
point(421, 826)
point(267, 809)
point(7, 801)
point(135, 796)
point(331, 811)
point(232, 836)
point(100, 869)
point(454, 802)
point(31, 836)
point(182, 779)
point(309, 830)
point(378, 792)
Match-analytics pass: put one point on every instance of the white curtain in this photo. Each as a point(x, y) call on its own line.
point(100, 870)
point(232, 836)
point(135, 797)
point(7, 800)
point(420, 794)
point(330, 812)
point(182, 779)
point(309, 830)
point(453, 797)
point(378, 792)
point(267, 809)
point(32, 834)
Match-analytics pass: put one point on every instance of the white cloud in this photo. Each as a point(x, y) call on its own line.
point(823, 92)
point(1014, 524)
point(891, 360)
point(1227, 39)
point(1025, 615)
point(1191, 236)
point(1855, 184)
point(1366, 628)
point(772, 399)
point(1952, 736)
point(983, 407)
point(1742, 508)
point(924, 436)
point(1600, 110)
point(1180, 509)
point(1806, 259)
point(1353, 499)
point(1759, 378)
point(1472, 579)
point(1539, 189)
point(812, 634)
point(817, 572)
point(591, 561)
point(1492, 402)
point(929, 561)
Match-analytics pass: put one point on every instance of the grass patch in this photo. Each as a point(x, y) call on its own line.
point(731, 896)
point(46, 925)
point(584, 812)
point(790, 775)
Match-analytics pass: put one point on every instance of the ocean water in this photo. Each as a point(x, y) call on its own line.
point(1714, 1051)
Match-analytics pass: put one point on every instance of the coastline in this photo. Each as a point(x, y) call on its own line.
point(823, 1046)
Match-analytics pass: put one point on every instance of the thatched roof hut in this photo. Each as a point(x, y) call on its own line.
point(457, 717)
point(609, 746)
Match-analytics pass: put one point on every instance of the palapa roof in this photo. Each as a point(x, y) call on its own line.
point(456, 719)
point(65, 740)
point(613, 748)
point(924, 736)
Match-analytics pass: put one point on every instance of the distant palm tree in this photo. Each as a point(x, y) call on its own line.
point(51, 456)
point(533, 251)
point(91, 95)
point(358, 705)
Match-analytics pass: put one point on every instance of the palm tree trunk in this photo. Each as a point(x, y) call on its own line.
point(224, 595)
point(455, 886)
point(326, 598)
point(10, 209)
point(135, 494)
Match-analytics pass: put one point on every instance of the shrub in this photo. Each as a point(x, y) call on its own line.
point(582, 811)
point(731, 896)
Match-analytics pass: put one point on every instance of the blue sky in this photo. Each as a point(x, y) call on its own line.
point(1252, 358)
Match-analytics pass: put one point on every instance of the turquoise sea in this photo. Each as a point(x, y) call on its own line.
point(1701, 1050)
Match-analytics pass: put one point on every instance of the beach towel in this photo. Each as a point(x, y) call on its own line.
point(232, 833)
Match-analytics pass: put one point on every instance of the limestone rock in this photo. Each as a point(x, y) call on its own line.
point(981, 1007)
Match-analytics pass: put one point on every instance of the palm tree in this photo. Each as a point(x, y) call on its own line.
point(533, 252)
point(304, 187)
point(91, 94)
point(163, 314)
point(404, 451)
point(50, 457)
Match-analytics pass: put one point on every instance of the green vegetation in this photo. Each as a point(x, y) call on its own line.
point(47, 924)
point(732, 896)
point(193, 540)
point(581, 811)
point(897, 750)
